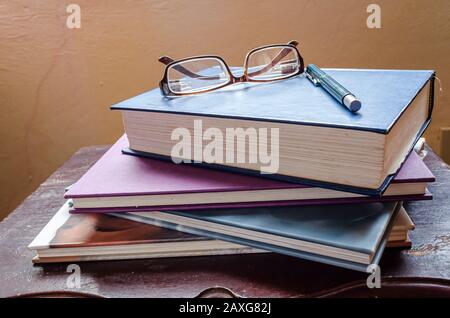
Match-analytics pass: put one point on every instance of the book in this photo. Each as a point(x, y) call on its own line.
point(290, 130)
point(398, 236)
point(352, 236)
point(86, 237)
point(93, 237)
point(120, 183)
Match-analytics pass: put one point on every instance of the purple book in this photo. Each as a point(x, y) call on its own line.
point(122, 183)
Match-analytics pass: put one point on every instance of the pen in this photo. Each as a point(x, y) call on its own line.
point(339, 92)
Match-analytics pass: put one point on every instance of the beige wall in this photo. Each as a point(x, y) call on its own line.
point(56, 84)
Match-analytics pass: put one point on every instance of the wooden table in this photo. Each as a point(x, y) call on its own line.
point(423, 270)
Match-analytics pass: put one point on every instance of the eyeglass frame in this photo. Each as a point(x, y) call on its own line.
point(164, 84)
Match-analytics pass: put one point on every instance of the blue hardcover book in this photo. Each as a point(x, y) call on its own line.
point(290, 130)
point(351, 236)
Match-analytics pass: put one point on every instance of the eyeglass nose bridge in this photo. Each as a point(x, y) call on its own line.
point(238, 79)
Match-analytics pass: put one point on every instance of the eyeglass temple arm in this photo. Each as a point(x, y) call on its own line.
point(167, 60)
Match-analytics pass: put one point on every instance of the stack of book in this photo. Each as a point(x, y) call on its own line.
point(277, 167)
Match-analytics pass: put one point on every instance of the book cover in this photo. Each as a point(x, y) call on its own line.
point(298, 100)
point(351, 236)
point(84, 237)
point(398, 236)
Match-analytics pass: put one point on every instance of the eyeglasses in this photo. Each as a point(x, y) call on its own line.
point(200, 74)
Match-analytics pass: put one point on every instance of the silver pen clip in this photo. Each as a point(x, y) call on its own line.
point(312, 79)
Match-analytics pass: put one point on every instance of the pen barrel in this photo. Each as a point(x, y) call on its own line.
point(328, 83)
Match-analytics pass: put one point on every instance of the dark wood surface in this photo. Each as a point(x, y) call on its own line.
point(423, 270)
